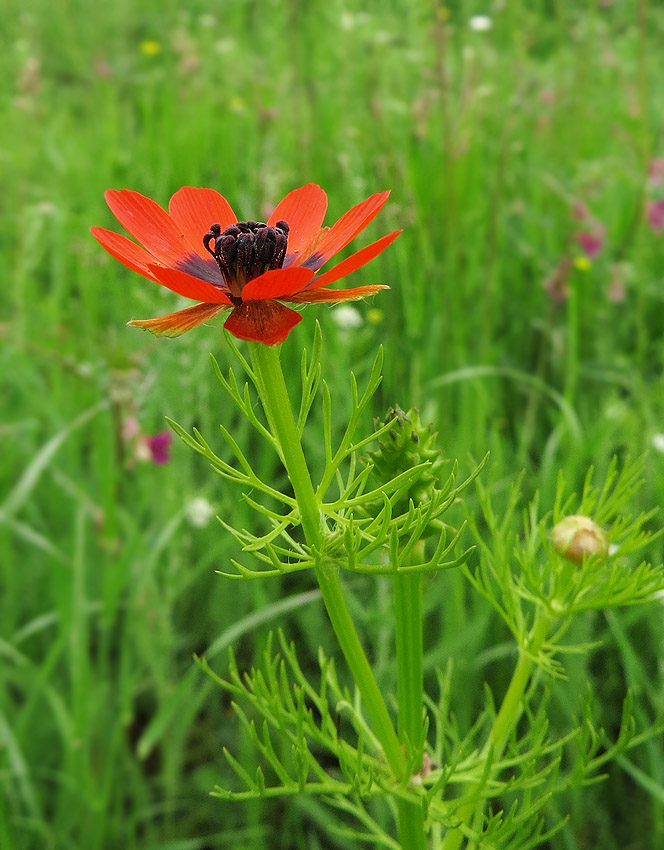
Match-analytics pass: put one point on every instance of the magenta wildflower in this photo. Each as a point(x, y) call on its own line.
point(159, 445)
point(591, 241)
point(655, 215)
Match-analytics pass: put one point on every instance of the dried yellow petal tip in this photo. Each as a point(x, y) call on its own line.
point(576, 536)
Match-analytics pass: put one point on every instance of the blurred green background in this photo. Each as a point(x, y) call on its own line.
point(524, 147)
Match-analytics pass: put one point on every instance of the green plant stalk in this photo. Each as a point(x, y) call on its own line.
point(274, 397)
point(508, 715)
point(410, 692)
point(573, 334)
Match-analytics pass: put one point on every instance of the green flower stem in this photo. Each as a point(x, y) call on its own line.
point(410, 692)
point(512, 704)
point(274, 397)
point(508, 715)
point(328, 581)
point(276, 403)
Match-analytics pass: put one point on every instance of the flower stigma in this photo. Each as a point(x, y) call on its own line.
point(246, 250)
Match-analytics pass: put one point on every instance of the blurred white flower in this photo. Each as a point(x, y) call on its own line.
point(350, 20)
point(616, 410)
point(199, 512)
point(480, 23)
point(224, 45)
point(658, 442)
point(347, 21)
point(347, 317)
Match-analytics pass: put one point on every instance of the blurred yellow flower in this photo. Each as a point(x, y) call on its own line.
point(150, 48)
point(582, 263)
point(374, 316)
point(237, 104)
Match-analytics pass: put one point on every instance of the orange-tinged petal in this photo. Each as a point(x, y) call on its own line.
point(303, 210)
point(345, 229)
point(189, 286)
point(277, 283)
point(194, 210)
point(314, 296)
point(175, 324)
point(127, 252)
point(268, 322)
point(150, 225)
point(359, 258)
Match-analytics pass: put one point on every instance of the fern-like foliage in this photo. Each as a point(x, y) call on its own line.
point(312, 738)
point(489, 788)
point(360, 520)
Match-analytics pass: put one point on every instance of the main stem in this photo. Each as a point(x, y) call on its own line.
point(510, 711)
point(276, 403)
point(410, 692)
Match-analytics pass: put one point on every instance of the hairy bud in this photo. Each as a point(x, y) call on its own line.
point(576, 536)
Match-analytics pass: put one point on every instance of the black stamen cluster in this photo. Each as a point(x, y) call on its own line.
point(245, 250)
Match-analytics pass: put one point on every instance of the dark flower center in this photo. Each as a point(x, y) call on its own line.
point(246, 250)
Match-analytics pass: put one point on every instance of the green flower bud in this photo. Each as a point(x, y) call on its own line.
point(576, 536)
point(407, 444)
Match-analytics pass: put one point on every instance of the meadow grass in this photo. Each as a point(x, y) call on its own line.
point(109, 735)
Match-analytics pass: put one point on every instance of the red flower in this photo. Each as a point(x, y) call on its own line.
point(200, 250)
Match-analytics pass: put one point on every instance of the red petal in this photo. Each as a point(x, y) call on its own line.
point(268, 322)
point(129, 253)
point(175, 324)
point(150, 225)
point(277, 283)
point(194, 210)
point(190, 287)
point(359, 258)
point(303, 210)
point(312, 296)
point(345, 229)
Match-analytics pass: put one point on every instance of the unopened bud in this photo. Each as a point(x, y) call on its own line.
point(576, 536)
point(405, 446)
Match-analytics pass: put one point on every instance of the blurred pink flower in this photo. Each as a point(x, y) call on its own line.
point(103, 69)
point(580, 210)
point(617, 290)
point(130, 429)
point(591, 241)
point(655, 215)
point(159, 445)
point(656, 171)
